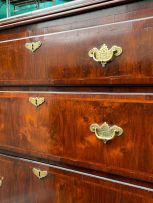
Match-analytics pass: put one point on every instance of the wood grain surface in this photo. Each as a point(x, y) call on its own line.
point(63, 57)
point(78, 92)
point(59, 129)
point(20, 185)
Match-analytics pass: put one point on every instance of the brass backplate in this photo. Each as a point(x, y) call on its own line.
point(104, 55)
point(105, 132)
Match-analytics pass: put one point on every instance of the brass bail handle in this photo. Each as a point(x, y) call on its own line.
point(105, 55)
point(105, 132)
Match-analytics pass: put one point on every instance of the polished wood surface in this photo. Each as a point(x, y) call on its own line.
point(78, 92)
point(62, 186)
point(62, 66)
point(108, 15)
point(50, 130)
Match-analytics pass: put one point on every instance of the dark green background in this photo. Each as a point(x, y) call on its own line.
point(27, 8)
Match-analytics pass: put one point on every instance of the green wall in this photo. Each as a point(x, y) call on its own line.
point(27, 8)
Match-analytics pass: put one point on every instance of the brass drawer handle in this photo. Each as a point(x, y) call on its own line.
point(105, 55)
point(39, 173)
point(105, 132)
point(36, 101)
point(1, 181)
point(33, 46)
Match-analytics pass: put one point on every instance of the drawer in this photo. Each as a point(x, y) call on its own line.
point(62, 58)
point(59, 129)
point(25, 181)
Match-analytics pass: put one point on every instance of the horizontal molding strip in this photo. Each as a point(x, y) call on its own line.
point(79, 29)
point(83, 173)
point(71, 8)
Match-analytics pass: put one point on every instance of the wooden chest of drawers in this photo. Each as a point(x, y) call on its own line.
point(76, 104)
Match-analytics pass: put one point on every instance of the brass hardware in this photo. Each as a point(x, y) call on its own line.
point(39, 173)
point(106, 132)
point(105, 55)
point(36, 101)
point(1, 181)
point(33, 46)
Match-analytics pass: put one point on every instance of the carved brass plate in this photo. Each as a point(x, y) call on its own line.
point(105, 55)
point(33, 46)
point(39, 173)
point(105, 132)
point(1, 181)
point(36, 101)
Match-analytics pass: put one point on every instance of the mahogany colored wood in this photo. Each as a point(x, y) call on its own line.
point(62, 66)
point(59, 129)
point(62, 186)
point(77, 92)
point(139, 9)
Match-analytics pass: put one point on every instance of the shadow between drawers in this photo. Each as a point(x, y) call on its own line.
point(89, 172)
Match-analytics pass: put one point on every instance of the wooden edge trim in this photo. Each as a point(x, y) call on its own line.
point(59, 11)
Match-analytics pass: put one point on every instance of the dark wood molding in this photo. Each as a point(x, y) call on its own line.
point(71, 8)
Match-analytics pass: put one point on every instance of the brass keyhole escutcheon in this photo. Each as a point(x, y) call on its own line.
point(105, 55)
point(105, 132)
point(36, 101)
point(39, 173)
point(33, 46)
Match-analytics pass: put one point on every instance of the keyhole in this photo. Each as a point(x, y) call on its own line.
point(39, 174)
point(32, 46)
point(36, 102)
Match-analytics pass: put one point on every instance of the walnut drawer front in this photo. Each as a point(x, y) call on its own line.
point(26, 181)
point(62, 58)
point(59, 129)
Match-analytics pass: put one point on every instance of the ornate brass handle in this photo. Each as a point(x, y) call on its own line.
point(104, 55)
point(33, 46)
point(105, 132)
point(39, 173)
point(36, 101)
point(1, 181)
